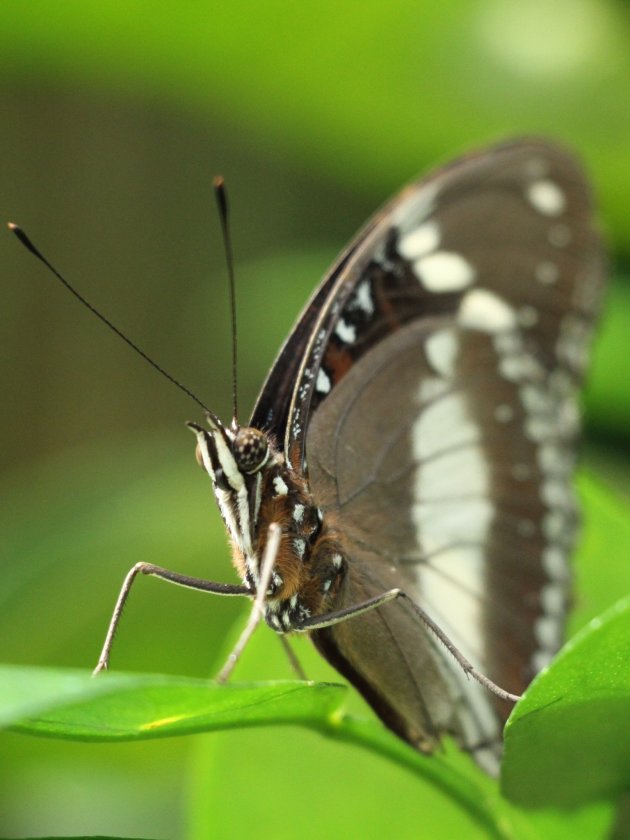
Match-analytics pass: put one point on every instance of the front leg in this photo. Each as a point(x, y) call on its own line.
point(172, 577)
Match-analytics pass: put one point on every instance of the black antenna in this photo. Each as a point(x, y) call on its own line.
point(30, 247)
point(221, 194)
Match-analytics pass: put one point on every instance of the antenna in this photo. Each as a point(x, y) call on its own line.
point(36, 253)
point(222, 202)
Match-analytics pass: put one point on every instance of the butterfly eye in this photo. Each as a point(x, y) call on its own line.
point(250, 449)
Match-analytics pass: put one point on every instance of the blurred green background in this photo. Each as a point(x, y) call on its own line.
point(115, 117)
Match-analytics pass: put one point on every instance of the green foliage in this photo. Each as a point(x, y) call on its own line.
point(124, 707)
point(364, 90)
point(333, 106)
point(576, 709)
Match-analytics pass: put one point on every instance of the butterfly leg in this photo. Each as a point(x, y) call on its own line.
point(268, 561)
point(328, 619)
point(293, 660)
point(171, 577)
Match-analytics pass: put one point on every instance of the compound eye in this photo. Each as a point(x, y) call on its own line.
point(250, 449)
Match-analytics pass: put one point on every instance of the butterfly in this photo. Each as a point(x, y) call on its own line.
point(410, 456)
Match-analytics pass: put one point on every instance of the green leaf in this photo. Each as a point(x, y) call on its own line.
point(123, 707)
point(72, 705)
point(568, 741)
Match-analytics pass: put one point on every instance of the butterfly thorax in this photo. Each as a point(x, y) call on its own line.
point(255, 487)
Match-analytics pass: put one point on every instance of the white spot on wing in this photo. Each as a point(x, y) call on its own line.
point(362, 299)
point(550, 458)
point(441, 348)
point(535, 399)
point(546, 272)
point(553, 599)
point(555, 493)
point(298, 512)
point(420, 241)
point(444, 271)
point(431, 389)
point(541, 659)
point(467, 464)
point(442, 425)
point(554, 562)
point(323, 382)
point(346, 332)
point(548, 632)
point(547, 197)
point(538, 428)
point(555, 525)
point(484, 310)
point(450, 504)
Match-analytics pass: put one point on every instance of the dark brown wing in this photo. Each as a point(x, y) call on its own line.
point(435, 405)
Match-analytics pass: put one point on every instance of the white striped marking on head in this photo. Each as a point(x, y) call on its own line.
point(444, 271)
point(547, 197)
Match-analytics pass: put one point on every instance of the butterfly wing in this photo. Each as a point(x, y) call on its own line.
point(435, 404)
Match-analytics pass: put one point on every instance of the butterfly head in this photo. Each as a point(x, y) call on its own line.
point(235, 458)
